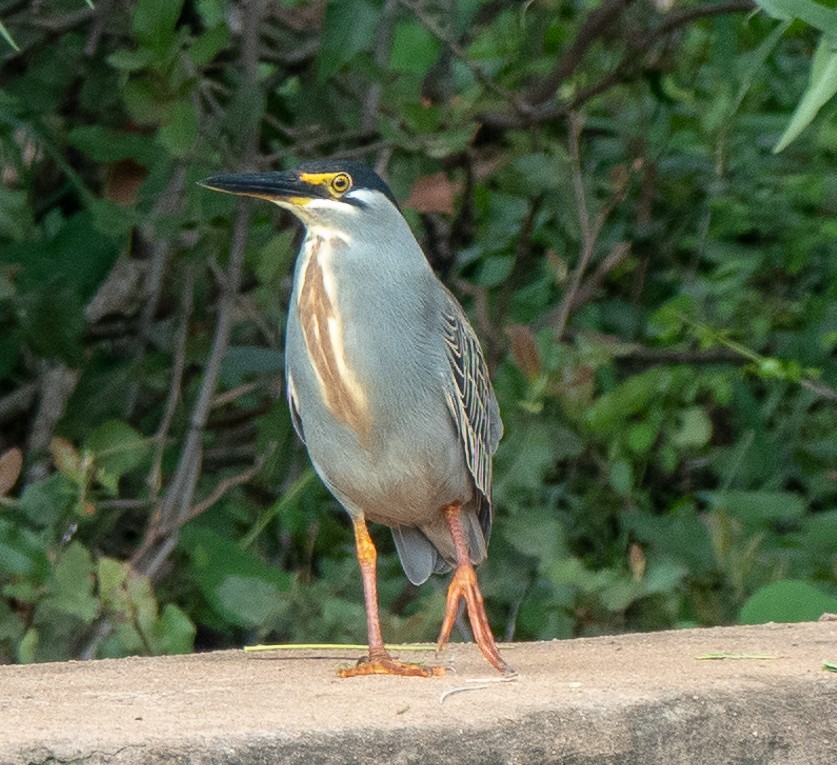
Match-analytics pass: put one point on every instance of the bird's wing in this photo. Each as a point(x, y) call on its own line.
point(471, 401)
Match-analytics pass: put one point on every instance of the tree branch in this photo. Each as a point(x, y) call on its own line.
point(595, 25)
point(176, 506)
point(590, 229)
point(459, 54)
point(632, 60)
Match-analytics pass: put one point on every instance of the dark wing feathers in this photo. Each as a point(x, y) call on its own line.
point(472, 403)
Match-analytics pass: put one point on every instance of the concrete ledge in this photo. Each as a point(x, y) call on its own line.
point(627, 699)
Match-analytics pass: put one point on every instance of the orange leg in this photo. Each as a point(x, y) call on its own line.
point(464, 585)
point(379, 661)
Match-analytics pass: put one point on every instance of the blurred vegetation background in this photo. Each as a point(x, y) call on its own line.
point(655, 288)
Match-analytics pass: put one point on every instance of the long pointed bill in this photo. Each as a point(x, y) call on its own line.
point(274, 187)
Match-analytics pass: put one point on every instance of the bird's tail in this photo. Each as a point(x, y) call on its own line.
point(428, 549)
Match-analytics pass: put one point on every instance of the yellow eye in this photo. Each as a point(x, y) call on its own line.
point(341, 183)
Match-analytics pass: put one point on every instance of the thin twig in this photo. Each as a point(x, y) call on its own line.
point(171, 200)
point(221, 488)
point(635, 53)
point(18, 401)
point(633, 58)
point(589, 229)
point(227, 397)
point(522, 251)
point(56, 383)
point(819, 388)
point(588, 286)
point(381, 45)
point(154, 479)
point(593, 28)
point(177, 504)
point(665, 356)
point(453, 47)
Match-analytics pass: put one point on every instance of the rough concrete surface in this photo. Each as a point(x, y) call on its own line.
point(643, 698)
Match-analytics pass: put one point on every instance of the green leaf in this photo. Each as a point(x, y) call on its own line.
point(12, 627)
point(681, 535)
point(284, 504)
point(695, 429)
point(789, 600)
point(143, 606)
point(107, 145)
point(443, 143)
point(173, 631)
point(131, 60)
point(622, 477)
point(414, 49)
point(274, 259)
point(242, 361)
point(821, 88)
point(537, 533)
point(178, 135)
point(641, 436)
point(812, 13)
point(349, 28)
point(209, 44)
point(22, 552)
point(212, 12)
point(494, 270)
point(71, 587)
point(144, 101)
point(634, 395)
point(528, 452)
point(819, 533)
point(238, 585)
point(53, 322)
point(65, 269)
point(755, 64)
point(117, 447)
point(16, 219)
point(757, 508)
point(46, 501)
point(153, 22)
point(27, 649)
point(662, 576)
point(111, 575)
point(536, 173)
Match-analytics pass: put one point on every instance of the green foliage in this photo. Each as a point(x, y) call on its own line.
point(822, 83)
point(239, 586)
point(655, 289)
point(786, 601)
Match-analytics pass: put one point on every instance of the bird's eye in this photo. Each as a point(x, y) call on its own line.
point(340, 183)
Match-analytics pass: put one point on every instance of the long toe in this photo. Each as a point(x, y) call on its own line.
point(386, 665)
point(464, 585)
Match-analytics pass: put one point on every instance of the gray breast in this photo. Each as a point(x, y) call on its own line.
point(367, 365)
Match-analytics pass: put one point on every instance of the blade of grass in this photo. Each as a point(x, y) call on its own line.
point(335, 647)
point(722, 655)
point(4, 33)
point(345, 647)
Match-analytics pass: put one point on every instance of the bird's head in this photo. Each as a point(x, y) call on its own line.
point(339, 196)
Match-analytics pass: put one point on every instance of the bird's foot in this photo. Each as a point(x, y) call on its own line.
point(464, 585)
point(384, 664)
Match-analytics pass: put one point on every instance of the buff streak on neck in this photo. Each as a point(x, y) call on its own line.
point(322, 330)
